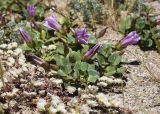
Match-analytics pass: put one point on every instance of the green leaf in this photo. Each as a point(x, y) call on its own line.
point(140, 24)
point(70, 39)
point(125, 24)
point(76, 56)
point(91, 67)
point(92, 40)
point(24, 47)
point(121, 70)
point(67, 68)
point(110, 71)
point(61, 73)
point(77, 65)
point(84, 66)
point(150, 42)
point(114, 59)
point(93, 76)
point(101, 59)
point(60, 49)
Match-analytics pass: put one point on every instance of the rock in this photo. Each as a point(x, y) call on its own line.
point(3, 46)
point(102, 98)
point(12, 103)
point(92, 103)
point(93, 88)
point(71, 89)
point(10, 94)
point(57, 104)
point(11, 61)
point(38, 83)
point(41, 104)
point(29, 94)
point(56, 82)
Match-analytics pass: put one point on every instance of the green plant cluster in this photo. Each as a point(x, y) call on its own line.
point(146, 27)
point(18, 7)
point(91, 10)
point(65, 55)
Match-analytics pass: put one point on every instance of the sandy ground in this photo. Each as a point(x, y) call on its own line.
point(30, 88)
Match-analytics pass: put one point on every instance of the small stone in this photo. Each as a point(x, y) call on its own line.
point(17, 51)
point(87, 96)
point(3, 46)
point(14, 44)
point(1, 52)
point(10, 52)
point(55, 100)
point(102, 98)
point(10, 94)
point(56, 82)
point(71, 89)
point(12, 103)
point(61, 108)
point(41, 104)
point(92, 103)
point(52, 110)
point(102, 84)
point(42, 92)
point(72, 102)
point(38, 83)
point(93, 88)
point(9, 46)
point(10, 61)
point(1, 85)
point(31, 94)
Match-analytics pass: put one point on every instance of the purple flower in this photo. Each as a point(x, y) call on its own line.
point(37, 60)
point(52, 23)
point(92, 52)
point(131, 39)
point(25, 37)
point(31, 11)
point(2, 19)
point(82, 36)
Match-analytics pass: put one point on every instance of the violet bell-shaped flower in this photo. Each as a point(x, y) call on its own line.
point(131, 39)
point(37, 60)
point(25, 37)
point(2, 19)
point(82, 36)
point(52, 23)
point(31, 11)
point(89, 54)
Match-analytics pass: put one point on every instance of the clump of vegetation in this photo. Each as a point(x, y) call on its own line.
point(145, 25)
point(74, 53)
point(91, 10)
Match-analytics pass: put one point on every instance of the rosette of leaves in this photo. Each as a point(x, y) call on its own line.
point(67, 56)
point(146, 27)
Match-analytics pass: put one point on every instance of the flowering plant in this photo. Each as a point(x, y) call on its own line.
point(73, 52)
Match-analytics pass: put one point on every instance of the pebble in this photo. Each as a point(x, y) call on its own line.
point(41, 104)
point(71, 89)
point(11, 61)
point(103, 99)
point(92, 103)
point(56, 82)
point(38, 83)
point(3, 46)
point(32, 94)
